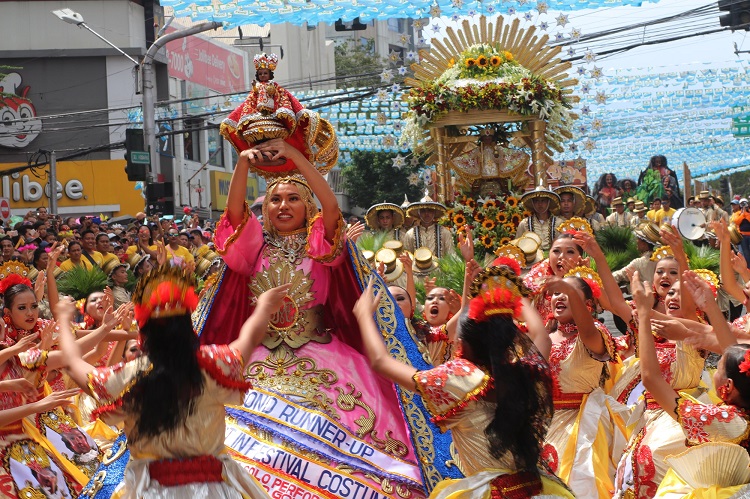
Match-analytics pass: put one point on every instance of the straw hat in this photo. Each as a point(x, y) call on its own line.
point(734, 234)
point(136, 259)
point(541, 192)
point(393, 266)
point(617, 202)
point(648, 232)
point(579, 197)
point(113, 265)
point(201, 251)
point(590, 206)
point(32, 274)
point(369, 256)
point(531, 249)
point(395, 245)
point(424, 261)
point(640, 208)
point(371, 217)
point(428, 203)
point(630, 200)
point(704, 195)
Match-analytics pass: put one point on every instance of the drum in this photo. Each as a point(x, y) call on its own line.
point(690, 223)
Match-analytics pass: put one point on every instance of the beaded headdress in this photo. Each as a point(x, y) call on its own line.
point(12, 273)
point(575, 224)
point(165, 291)
point(265, 61)
point(511, 256)
point(661, 253)
point(590, 277)
point(710, 277)
point(496, 291)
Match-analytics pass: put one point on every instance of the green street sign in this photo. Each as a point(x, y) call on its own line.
point(140, 157)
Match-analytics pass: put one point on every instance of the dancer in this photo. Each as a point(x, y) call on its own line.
point(172, 398)
point(708, 428)
point(495, 397)
point(311, 357)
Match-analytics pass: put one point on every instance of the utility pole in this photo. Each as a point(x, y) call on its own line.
point(53, 183)
point(149, 89)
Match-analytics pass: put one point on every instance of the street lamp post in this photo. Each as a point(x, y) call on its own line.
point(148, 74)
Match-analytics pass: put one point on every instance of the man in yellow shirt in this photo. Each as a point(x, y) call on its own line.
point(178, 255)
point(88, 244)
point(104, 247)
point(664, 215)
point(655, 206)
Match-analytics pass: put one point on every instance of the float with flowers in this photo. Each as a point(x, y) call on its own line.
point(488, 105)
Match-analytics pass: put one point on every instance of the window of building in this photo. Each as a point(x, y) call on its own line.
point(192, 139)
point(215, 147)
point(397, 25)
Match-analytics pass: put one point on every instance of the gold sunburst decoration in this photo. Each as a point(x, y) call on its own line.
point(513, 73)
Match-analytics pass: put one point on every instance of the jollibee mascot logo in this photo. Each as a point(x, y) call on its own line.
point(19, 124)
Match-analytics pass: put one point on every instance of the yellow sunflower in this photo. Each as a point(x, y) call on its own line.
point(501, 217)
point(495, 60)
point(486, 241)
point(482, 61)
point(490, 204)
point(451, 62)
point(515, 219)
point(508, 56)
point(505, 240)
point(511, 201)
point(459, 219)
point(470, 202)
point(488, 224)
point(526, 213)
point(470, 63)
point(509, 226)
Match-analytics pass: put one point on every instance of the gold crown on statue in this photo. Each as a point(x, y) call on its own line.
point(266, 61)
point(165, 291)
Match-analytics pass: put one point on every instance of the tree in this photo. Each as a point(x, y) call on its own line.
point(371, 178)
point(357, 58)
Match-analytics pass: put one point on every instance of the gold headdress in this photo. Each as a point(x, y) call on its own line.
point(164, 292)
point(590, 277)
point(661, 253)
point(496, 291)
point(710, 277)
point(265, 61)
point(575, 224)
point(12, 273)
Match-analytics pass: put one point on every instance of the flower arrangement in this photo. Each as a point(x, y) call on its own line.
point(484, 77)
point(493, 220)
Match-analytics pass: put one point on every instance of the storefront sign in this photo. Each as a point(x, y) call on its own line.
point(220, 189)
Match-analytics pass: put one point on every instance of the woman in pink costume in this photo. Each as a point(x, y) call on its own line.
point(312, 384)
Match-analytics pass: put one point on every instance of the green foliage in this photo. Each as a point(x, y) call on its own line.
point(619, 246)
point(80, 282)
point(356, 59)
point(702, 257)
point(370, 178)
point(372, 241)
point(651, 187)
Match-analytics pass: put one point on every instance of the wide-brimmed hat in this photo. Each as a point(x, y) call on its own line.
point(579, 197)
point(203, 266)
point(369, 256)
point(113, 264)
point(424, 261)
point(541, 192)
point(640, 207)
point(630, 200)
point(531, 248)
point(704, 195)
point(648, 232)
point(393, 266)
point(734, 234)
point(590, 206)
point(426, 203)
point(617, 202)
point(371, 217)
point(136, 260)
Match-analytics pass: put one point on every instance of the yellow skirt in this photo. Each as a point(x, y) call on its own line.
point(672, 487)
point(479, 486)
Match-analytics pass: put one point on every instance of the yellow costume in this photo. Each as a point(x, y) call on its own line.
point(717, 464)
point(190, 460)
point(581, 445)
point(452, 393)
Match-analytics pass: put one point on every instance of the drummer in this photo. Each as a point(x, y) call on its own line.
point(665, 213)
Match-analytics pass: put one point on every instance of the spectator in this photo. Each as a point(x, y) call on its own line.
point(605, 191)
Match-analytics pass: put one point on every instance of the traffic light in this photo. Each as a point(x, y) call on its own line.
point(137, 159)
point(739, 14)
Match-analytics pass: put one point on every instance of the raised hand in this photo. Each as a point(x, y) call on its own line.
point(274, 297)
point(406, 260)
point(698, 289)
point(65, 309)
point(56, 399)
point(356, 230)
point(454, 301)
point(22, 386)
point(368, 303)
point(588, 243)
point(466, 243)
point(41, 281)
point(48, 336)
point(643, 294)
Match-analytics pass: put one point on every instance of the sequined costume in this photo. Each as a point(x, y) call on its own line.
point(189, 460)
point(312, 382)
point(534, 280)
point(45, 454)
point(453, 394)
point(655, 434)
point(581, 442)
point(714, 434)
